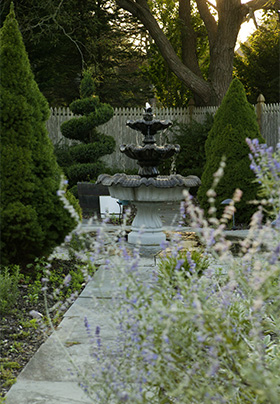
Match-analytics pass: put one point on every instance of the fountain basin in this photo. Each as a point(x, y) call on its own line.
point(149, 156)
point(147, 194)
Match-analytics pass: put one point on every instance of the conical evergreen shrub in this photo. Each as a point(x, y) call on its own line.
point(33, 219)
point(84, 158)
point(234, 121)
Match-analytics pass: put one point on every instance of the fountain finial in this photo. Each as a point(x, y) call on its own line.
point(148, 113)
point(149, 126)
point(148, 107)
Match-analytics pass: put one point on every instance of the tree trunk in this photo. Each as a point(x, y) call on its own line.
point(222, 46)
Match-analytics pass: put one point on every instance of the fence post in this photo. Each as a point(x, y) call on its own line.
point(259, 110)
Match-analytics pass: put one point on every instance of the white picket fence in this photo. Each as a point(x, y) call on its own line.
point(268, 118)
point(270, 124)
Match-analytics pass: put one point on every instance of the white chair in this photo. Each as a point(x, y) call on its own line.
point(109, 206)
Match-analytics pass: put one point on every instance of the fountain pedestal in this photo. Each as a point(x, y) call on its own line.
point(147, 195)
point(146, 227)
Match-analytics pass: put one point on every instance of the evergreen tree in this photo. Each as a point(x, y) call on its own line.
point(234, 121)
point(33, 219)
point(83, 162)
point(257, 67)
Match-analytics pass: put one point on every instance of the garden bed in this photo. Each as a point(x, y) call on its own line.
point(20, 333)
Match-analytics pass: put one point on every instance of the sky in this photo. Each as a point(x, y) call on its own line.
point(247, 28)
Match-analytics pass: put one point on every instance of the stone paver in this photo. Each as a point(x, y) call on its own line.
point(50, 376)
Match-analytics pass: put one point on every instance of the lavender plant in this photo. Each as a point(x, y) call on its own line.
point(266, 165)
point(216, 339)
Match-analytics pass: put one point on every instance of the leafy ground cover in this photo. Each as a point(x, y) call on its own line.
point(20, 333)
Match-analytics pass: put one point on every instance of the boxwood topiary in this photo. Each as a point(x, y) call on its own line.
point(85, 162)
point(234, 121)
point(33, 219)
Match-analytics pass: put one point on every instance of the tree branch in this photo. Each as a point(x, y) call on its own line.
point(254, 5)
point(188, 37)
point(141, 10)
point(208, 19)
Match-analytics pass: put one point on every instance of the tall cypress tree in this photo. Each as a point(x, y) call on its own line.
point(234, 121)
point(33, 219)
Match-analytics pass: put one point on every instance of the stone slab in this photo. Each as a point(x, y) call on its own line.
point(44, 392)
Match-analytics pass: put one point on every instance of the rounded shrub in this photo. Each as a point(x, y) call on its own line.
point(84, 172)
point(234, 121)
point(84, 164)
point(33, 219)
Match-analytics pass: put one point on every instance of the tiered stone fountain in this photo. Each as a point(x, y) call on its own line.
point(148, 190)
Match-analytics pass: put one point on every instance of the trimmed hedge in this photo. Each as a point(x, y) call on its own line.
point(84, 172)
point(234, 121)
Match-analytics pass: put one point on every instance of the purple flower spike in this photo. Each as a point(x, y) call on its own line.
point(179, 264)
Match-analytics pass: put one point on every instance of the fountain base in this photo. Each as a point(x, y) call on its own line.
point(147, 194)
point(146, 227)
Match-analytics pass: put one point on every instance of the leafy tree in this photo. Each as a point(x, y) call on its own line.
point(234, 121)
point(33, 219)
point(222, 23)
point(171, 91)
point(83, 162)
point(258, 65)
point(63, 38)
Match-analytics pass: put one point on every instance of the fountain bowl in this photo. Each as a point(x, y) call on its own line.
point(147, 194)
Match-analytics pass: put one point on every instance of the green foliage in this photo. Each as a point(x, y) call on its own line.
point(182, 265)
point(258, 66)
point(6, 374)
point(74, 202)
point(80, 162)
point(170, 91)
point(85, 106)
point(87, 88)
point(92, 151)
point(84, 172)
point(33, 219)
point(9, 280)
point(62, 153)
point(234, 121)
point(52, 274)
point(191, 138)
point(61, 42)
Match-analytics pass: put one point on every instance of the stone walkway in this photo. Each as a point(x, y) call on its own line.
point(49, 377)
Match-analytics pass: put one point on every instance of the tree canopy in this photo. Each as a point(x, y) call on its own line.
point(195, 43)
point(170, 91)
point(257, 65)
point(222, 22)
point(63, 38)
